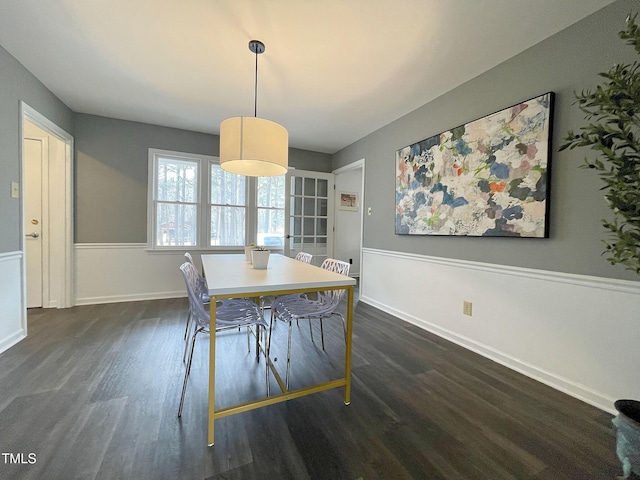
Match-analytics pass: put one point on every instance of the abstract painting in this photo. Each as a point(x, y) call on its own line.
point(486, 178)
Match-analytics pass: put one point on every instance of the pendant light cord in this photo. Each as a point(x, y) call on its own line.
point(255, 89)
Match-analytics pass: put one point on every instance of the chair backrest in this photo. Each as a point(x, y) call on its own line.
point(232, 313)
point(192, 281)
point(333, 297)
point(304, 257)
point(336, 266)
point(203, 289)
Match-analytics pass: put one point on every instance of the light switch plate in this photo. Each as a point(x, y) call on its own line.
point(15, 190)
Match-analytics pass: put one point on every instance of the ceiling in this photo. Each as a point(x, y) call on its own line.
point(333, 70)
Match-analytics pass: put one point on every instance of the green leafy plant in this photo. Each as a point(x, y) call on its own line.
point(613, 131)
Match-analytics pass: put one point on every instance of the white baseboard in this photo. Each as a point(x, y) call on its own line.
point(9, 341)
point(566, 341)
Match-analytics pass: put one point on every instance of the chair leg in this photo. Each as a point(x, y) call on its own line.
point(321, 332)
point(186, 373)
point(310, 331)
point(289, 356)
point(267, 369)
point(186, 327)
point(268, 353)
point(258, 343)
point(186, 343)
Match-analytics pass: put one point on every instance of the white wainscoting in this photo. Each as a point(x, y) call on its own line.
point(13, 312)
point(119, 272)
point(578, 334)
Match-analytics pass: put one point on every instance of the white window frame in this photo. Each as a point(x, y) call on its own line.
point(203, 195)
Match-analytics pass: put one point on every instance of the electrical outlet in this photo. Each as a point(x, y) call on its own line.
point(466, 308)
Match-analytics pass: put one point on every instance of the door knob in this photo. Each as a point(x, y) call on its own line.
point(34, 235)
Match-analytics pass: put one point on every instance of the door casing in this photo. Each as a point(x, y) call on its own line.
point(58, 256)
point(357, 228)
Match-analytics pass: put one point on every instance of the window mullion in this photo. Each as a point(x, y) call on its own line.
point(203, 204)
point(252, 210)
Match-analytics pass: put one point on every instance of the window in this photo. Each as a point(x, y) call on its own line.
point(270, 209)
point(194, 203)
point(227, 208)
point(176, 202)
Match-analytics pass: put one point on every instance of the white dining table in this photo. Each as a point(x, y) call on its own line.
point(231, 276)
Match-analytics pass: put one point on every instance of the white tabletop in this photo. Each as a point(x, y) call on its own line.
point(231, 274)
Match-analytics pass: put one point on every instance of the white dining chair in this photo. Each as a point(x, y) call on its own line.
point(203, 291)
point(266, 301)
point(304, 257)
point(230, 314)
point(287, 308)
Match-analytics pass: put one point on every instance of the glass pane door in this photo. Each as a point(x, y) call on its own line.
point(309, 210)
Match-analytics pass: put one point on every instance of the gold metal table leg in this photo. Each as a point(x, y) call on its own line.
point(212, 370)
point(347, 360)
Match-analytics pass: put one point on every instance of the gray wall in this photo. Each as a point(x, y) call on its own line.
point(564, 63)
point(111, 173)
point(17, 84)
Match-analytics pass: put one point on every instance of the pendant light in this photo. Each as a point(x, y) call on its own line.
point(252, 146)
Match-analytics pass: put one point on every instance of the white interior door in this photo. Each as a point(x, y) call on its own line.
point(309, 214)
point(34, 154)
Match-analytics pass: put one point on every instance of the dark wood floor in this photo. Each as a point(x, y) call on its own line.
point(93, 392)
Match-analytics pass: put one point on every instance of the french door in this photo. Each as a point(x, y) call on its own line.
point(309, 214)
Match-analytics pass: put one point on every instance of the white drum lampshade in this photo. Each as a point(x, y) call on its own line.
point(253, 147)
